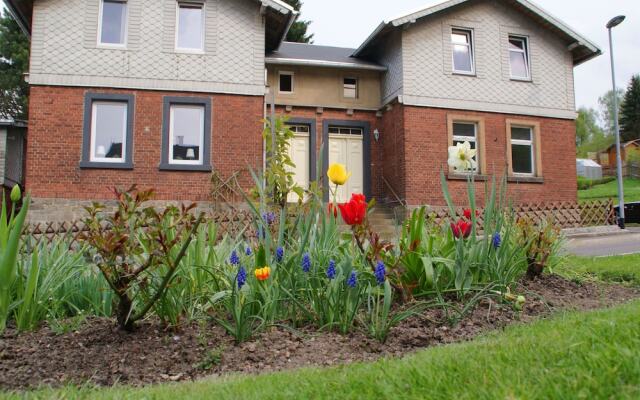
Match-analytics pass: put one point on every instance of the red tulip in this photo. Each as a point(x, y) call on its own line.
point(461, 229)
point(467, 214)
point(355, 211)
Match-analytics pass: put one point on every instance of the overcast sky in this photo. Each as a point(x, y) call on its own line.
point(347, 23)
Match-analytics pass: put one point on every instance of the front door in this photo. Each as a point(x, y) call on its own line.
point(299, 153)
point(346, 147)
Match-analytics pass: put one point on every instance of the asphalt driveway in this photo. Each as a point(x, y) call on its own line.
point(606, 245)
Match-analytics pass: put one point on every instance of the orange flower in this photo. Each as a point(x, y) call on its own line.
point(262, 274)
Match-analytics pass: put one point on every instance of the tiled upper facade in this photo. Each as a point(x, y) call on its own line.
point(65, 48)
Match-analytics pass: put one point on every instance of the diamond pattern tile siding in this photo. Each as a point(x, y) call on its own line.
point(425, 70)
point(66, 50)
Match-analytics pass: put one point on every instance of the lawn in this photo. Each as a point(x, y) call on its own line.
point(621, 269)
point(610, 190)
point(593, 355)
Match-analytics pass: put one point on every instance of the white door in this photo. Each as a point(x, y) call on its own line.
point(299, 153)
point(346, 147)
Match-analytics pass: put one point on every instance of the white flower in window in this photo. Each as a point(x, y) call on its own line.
point(462, 157)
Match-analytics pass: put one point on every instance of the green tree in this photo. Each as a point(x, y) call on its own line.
point(14, 62)
point(298, 31)
point(606, 109)
point(630, 111)
point(587, 126)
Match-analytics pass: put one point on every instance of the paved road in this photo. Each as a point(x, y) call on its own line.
point(606, 245)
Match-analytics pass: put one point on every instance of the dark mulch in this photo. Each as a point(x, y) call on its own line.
point(101, 354)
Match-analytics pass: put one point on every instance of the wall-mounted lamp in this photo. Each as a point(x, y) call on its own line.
point(376, 135)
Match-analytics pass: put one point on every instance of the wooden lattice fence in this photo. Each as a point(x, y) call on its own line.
point(562, 214)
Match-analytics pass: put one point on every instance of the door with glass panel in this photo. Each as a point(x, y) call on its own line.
point(346, 147)
point(299, 152)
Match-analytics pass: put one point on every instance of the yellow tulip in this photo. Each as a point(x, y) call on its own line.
point(337, 173)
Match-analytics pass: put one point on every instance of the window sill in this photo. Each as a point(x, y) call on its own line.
point(452, 176)
point(105, 165)
point(525, 179)
point(525, 80)
point(184, 167)
point(104, 46)
point(461, 73)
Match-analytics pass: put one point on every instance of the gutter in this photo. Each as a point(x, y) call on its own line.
point(322, 63)
point(18, 17)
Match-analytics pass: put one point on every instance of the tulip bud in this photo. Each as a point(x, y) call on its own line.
point(16, 194)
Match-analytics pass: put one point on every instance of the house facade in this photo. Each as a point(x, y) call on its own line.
point(162, 93)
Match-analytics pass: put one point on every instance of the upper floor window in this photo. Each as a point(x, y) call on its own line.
point(190, 27)
point(463, 51)
point(350, 88)
point(285, 82)
point(108, 131)
point(113, 23)
point(519, 57)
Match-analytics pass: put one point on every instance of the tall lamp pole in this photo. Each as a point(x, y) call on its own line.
point(610, 25)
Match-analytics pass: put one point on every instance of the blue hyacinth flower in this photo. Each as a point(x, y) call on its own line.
point(331, 271)
point(234, 259)
point(306, 262)
point(497, 240)
point(279, 254)
point(380, 272)
point(241, 278)
point(352, 282)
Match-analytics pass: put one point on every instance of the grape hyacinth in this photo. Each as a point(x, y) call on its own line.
point(353, 280)
point(241, 278)
point(331, 271)
point(279, 254)
point(497, 240)
point(269, 217)
point(306, 262)
point(248, 251)
point(234, 259)
point(380, 272)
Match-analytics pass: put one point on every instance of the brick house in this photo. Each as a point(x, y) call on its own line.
point(162, 93)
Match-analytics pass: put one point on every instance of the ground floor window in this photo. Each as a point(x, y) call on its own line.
point(186, 133)
point(523, 148)
point(108, 131)
point(469, 129)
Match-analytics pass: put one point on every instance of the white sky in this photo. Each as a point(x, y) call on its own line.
point(347, 23)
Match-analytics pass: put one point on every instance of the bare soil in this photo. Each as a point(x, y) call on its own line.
point(100, 354)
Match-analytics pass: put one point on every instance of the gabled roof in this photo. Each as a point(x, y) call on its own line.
point(319, 56)
point(581, 48)
point(624, 145)
point(279, 18)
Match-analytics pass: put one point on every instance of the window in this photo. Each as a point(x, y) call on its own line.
point(113, 23)
point(519, 57)
point(350, 88)
point(336, 130)
point(107, 137)
point(468, 128)
point(522, 150)
point(190, 27)
point(285, 84)
point(302, 129)
point(466, 132)
point(186, 134)
point(462, 49)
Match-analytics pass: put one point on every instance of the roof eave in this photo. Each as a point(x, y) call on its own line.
point(23, 20)
point(323, 63)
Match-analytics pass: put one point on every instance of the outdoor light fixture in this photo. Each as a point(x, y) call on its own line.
point(376, 135)
point(612, 24)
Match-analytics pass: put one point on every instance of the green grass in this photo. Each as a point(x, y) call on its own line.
point(610, 190)
point(593, 355)
point(620, 269)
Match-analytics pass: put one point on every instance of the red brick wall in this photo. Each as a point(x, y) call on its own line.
point(426, 143)
point(377, 189)
point(55, 145)
point(393, 145)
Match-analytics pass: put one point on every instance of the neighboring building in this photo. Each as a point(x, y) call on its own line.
point(13, 135)
point(609, 157)
point(162, 92)
point(589, 169)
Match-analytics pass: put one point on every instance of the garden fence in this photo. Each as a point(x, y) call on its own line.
point(634, 170)
point(237, 222)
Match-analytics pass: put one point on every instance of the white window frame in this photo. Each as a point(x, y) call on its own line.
point(527, 57)
point(470, 45)
point(293, 81)
point(356, 88)
point(457, 138)
point(189, 4)
point(200, 161)
point(92, 148)
point(122, 45)
point(521, 142)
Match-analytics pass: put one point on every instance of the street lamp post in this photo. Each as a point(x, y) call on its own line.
point(610, 25)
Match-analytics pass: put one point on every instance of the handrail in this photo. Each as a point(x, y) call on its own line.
point(393, 192)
